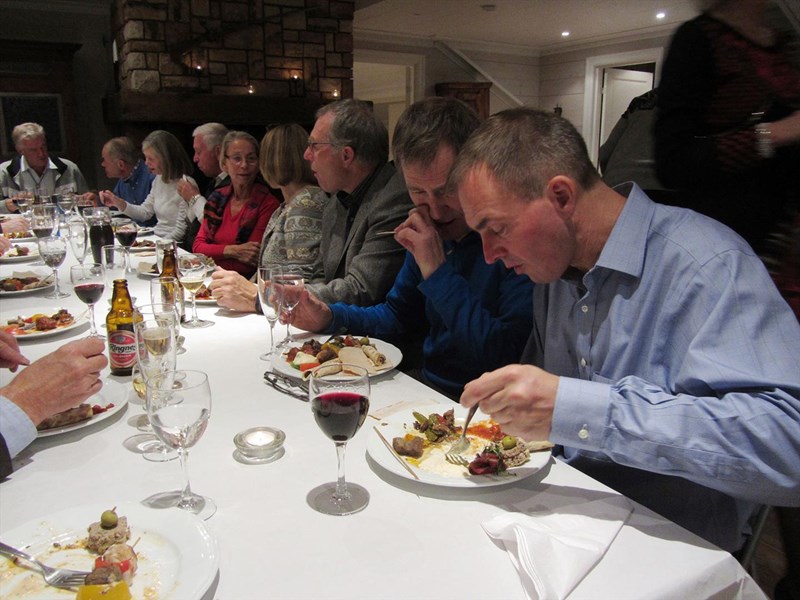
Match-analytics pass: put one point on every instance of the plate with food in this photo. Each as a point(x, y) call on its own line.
point(110, 400)
point(21, 236)
point(419, 440)
point(25, 282)
point(158, 553)
point(20, 253)
point(37, 323)
point(147, 269)
point(204, 296)
point(143, 246)
point(145, 231)
point(376, 356)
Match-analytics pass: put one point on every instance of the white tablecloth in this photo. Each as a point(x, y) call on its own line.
point(413, 540)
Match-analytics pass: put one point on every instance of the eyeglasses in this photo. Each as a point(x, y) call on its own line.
point(250, 159)
point(286, 385)
point(313, 145)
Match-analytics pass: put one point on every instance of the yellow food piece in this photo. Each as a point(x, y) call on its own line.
point(114, 591)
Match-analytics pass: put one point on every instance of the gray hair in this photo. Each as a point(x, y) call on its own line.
point(426, 125)
point(26, 131)
point(174, 161)
point(212, 134)
point(524, 148)
point(355, 125)
point(234, 136)
point(123, 148)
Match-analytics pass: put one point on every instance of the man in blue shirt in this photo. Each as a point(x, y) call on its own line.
point(666, 363)
point(477, 316)
point(122, 161)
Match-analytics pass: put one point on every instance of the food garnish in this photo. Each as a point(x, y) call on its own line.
point(39, 322)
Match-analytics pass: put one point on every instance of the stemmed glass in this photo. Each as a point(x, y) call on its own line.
point(126, 231)
point(269, 299)
point(23, 200)
point(165, 290)
point(66, 202)
point(89, 282)
point(340, 402)
point(193, 268)
point(53, 251)
point(179, 406)
point(78, 238)
point(155, 354)
point(289, 276)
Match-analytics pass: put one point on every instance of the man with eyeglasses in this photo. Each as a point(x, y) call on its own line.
point(207, 144)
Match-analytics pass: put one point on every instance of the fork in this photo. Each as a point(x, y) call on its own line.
point(454, 454)
point(60, 578)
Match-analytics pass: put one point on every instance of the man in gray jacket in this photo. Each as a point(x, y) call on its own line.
point(348, 150)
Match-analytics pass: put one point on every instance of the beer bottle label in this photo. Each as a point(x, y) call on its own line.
point(122, 348)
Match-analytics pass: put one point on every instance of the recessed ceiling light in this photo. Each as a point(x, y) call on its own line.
point(565, 34)
point(661, 15)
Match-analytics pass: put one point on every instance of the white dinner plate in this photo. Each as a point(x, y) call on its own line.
point(145, 269)
point(204, 301)
point(113, 392)
point(393, 353)
point(23, 240)
point(40, 274)
point(143, 249)
point(33, 254)
point(178, 557)
point(49, 310)
point(397, 424)
point(144, 231)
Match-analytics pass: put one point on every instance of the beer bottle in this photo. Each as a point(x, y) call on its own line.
point(169, 268)
point(119, 328)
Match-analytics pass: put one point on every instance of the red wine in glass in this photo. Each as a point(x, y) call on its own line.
point(100, 234)
point(126, 237)
point(89, 293)
point(42, 231)
point(340, 414)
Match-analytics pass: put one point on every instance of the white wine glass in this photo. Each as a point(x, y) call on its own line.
point(290, 284)
point(268, 297)
point(165, 290)
point(53, 251)
point(193, 270)
point(78, 234)
point(339, 402)
point(89, 283)
point(179, 407)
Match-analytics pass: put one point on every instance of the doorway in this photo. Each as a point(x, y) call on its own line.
point(620, 86)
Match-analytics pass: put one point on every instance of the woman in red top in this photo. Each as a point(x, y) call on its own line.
point(236, 215)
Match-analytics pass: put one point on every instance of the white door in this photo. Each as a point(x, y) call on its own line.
point(620, 86)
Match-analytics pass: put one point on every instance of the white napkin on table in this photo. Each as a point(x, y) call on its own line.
point(553, 552)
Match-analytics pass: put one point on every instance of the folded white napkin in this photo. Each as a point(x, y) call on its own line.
point(553, 552)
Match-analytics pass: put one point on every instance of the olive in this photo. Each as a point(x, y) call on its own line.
point(508, 442)
point(364, 341)
point(108, 520)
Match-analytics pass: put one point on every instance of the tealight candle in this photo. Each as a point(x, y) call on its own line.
point(260, 437)
point(258, 444)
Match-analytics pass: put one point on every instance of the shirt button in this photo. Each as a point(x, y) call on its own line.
point(583, 362)
point(585, 308)
point(583, 433)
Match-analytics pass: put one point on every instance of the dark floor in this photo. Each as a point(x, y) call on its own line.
point(770, 563)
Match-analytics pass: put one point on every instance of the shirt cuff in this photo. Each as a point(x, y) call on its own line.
point(579, 416)
point(16, 427)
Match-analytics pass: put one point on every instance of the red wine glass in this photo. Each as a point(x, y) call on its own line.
point(88, 283)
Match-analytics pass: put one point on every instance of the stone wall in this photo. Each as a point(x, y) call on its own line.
point(265, 48)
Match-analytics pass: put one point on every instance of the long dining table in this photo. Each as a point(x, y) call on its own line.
point(414, 539)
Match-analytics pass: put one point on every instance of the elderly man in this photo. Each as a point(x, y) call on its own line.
point(663, 360)
point(348, 149)
point(476, 316)
point(207, 144)
point(35, 394)
point(35, 170)
point(122, 161)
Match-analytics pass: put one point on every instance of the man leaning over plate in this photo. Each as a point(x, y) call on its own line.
point(663, 361)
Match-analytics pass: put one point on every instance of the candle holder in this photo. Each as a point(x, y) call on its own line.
point(296, 86)
point(259, 445)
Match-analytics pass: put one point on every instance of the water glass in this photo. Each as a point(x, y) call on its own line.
point(53, 251)
point(113, 260)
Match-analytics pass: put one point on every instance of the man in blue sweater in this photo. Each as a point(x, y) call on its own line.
point(477, 315)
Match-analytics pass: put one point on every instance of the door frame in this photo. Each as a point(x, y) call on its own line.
point(593, 88)
point(416, 62)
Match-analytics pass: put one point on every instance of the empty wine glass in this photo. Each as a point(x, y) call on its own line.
point(89, 282)
point(340, 402)
point(66, 202)
point(78, 238)
point(53, 251)
point(155, 354)
point(193, 271)
point(23, 200)
point(126, 231)
point(179, 407)
point(269, 299)
point(290, 285)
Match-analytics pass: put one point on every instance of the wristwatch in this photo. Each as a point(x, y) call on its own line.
point(194, 199)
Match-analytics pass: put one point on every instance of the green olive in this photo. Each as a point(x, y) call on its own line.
point(109, 519)
point(364, 341)
point(508, 442)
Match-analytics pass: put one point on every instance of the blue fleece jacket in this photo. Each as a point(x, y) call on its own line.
point(479, 316)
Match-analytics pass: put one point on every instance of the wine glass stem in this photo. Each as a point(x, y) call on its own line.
point(271, 336)
point(341, 484)
point(57, 290)
point(195, 318)
point(187, 498)
point(127, 260)
point(93, 328)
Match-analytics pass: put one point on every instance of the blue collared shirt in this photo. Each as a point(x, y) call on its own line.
point(136, 187)
point(15, 426)
point(680, 367)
